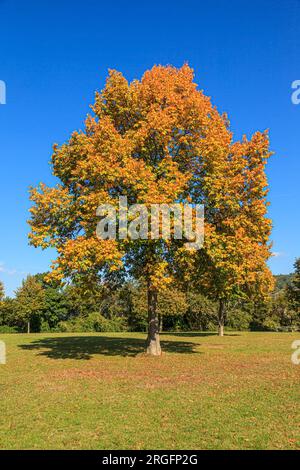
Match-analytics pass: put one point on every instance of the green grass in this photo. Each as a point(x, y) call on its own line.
point(100, 391)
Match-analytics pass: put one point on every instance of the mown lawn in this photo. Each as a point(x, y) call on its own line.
point(99, 391)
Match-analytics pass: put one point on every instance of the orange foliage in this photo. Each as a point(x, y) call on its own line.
point(158, 140)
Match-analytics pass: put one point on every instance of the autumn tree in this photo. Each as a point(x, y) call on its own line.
point(140, 142)
point(158, 140)
point(230, 179)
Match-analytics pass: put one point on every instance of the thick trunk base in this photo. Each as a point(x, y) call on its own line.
point(153, 346)
point(153, 342)
point(221, 330)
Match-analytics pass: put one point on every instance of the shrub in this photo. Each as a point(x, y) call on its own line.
point(271, 324)
point(8, 329)
point(238, 319)
point(94, 322)
point(44, 327)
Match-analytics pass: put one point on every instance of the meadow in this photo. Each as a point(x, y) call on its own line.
point(101, 391)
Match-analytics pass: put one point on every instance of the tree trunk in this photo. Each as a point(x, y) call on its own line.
point(28, 327)
point(153, 342)
point(221, 317)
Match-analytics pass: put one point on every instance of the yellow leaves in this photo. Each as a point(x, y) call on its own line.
point(52, 215)
point(159, 276)
point(235, 188)
point(86, 255)
point(65, 158)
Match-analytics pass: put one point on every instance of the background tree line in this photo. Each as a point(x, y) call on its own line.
point(120, 303)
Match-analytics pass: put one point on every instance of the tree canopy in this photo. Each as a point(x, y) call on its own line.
point(158, 140)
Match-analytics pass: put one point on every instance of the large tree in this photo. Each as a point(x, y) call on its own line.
point(140, 143)
point(158, 140)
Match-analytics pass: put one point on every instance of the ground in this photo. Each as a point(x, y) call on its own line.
point(100, 391)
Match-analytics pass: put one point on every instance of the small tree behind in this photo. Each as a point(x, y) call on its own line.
point(230, 180)
point(30, 301)
point(2, 291)
point(293, 289)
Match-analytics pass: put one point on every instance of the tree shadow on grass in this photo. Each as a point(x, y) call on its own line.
point(84, 347)
point(199, 334)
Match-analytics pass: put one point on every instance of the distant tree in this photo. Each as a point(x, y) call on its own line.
point(2, 291)
point(282, 281)
point(83, 298)
point(132, 303)
point(239, 315)
point(55, 301)
point(172, 304)
point(259, 309)
point(134, 295)
point(115, 295)
point(201, 312)
point(8, 312)
point(55, 307)
point(283, 312)
point(274, 313)
point(293, 289)
point(30, 302)
point(114, 303)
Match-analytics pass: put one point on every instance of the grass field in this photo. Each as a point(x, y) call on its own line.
point(100, 391)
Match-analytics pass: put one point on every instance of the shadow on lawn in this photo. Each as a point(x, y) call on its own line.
point(84, 347)
point(200, 334)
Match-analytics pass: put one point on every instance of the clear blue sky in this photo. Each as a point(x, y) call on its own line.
point(55, 54)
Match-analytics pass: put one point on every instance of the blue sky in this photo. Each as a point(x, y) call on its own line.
point(55, 54)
